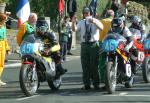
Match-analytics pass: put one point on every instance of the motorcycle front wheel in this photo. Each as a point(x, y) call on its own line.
point(146, 70)
point(110, 77)
point(28, 80)
point(55, 84)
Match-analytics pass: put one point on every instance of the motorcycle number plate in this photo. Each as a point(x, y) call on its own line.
point(141, 56)
point(128, 70)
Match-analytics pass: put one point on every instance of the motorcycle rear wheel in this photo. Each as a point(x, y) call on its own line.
point(110, 77)
point(55, 84)
point(146, 70)
point(28, 82)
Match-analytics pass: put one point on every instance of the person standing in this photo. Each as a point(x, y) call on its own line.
point(3, 45)
point(27, 28)
point(71, 8)
point(107, 26)
point(88, 28)
point(64, 37)
point(115, 7)
point(69, 43)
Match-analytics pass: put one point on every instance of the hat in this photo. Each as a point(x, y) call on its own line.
point(86, 10)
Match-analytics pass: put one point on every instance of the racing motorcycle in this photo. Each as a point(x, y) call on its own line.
point(142, 58)
point(146, 63)
point(37, 68)
point(118, 68)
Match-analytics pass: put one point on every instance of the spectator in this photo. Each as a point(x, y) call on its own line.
point(3, 45)
point(115, 7)
point(69, 43)
point(27, 28)
point(107, 26)
point(64, 37)
point(88, 28)
point(71, 8)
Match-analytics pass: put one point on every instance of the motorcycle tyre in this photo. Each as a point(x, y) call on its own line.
point(109, 85)
point(146, 70)
point(52, 84)
point(23, 87)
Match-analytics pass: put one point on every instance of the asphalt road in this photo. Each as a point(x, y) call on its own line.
point(70, 91)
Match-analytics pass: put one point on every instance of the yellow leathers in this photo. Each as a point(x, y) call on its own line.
point(3, 47)
point(107, 25)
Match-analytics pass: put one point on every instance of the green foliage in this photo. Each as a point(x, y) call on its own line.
point(138, 9)
point(102, 5)
point(50, 7)
point(4, 1)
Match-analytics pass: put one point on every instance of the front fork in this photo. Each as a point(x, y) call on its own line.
point(115, 61)
point(34, 71)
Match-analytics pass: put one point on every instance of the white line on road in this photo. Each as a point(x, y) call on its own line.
point(116, 95)
point(20, 99)
point(13, 65)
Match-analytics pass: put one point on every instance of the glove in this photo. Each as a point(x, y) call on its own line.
point(127, 49)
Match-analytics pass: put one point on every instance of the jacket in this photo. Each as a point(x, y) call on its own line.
point(24, 30)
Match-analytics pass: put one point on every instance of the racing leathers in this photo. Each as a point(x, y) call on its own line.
point(53, 49)
point(140, 27)
point(128, 35)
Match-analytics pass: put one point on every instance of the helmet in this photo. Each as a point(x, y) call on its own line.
point(42, 25)
point(117, 25)
point(136, 19)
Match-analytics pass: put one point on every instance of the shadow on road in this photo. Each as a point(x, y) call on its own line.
point(71, 86)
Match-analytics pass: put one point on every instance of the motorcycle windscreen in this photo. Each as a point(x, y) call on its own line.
point(111, 42)
point(147, 44)
point(28, 48)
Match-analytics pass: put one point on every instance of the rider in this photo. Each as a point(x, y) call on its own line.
point(49, 37)
point(118, 26)
point(137, 24)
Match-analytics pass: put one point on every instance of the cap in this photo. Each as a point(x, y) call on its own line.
point(86, 9)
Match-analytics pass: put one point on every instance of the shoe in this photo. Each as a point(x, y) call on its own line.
point(96, 87)
point(69, 53)
point(6, 60)
point(2, 83)
point(103, 88)
point(86, 87)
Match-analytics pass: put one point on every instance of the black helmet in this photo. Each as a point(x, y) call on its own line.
point(117, 25)
point(117, 22)
point(42, 25)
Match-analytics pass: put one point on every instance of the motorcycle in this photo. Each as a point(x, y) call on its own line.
point(118, 68)
point(142, 58)
point(36, 68)
point(146, 63)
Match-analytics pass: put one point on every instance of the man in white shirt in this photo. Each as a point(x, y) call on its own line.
point(89, 28)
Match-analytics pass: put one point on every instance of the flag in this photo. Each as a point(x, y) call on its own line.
point(23, 11)
point(93, 4)
point(61, 6)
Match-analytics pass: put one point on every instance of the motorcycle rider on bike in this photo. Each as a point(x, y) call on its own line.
point(42, 32)
point(118, 26)
point(137, 24)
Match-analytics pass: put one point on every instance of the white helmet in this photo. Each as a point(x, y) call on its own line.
point(136, 19)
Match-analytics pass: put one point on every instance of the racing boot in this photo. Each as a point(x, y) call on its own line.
point(60, 69)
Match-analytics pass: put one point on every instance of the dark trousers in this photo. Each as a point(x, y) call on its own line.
point(89, 61)
point(63, 50)
point(69, 43)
